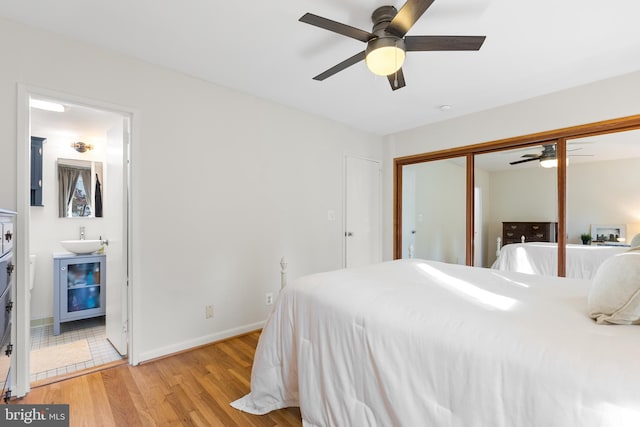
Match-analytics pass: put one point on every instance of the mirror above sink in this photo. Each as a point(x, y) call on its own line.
point(79, 188)
point(82, 247)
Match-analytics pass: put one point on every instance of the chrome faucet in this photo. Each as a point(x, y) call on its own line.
point(81, 233)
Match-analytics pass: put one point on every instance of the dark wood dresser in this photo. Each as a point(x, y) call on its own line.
point(512, 232)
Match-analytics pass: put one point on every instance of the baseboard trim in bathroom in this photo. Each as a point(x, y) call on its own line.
point(41, 322)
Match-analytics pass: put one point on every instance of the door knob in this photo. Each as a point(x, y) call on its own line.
point(348, 234)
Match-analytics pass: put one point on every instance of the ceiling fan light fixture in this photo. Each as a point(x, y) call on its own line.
point(551, 163)
point(385, 55)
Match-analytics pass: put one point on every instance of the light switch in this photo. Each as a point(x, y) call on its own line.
point(331, 215)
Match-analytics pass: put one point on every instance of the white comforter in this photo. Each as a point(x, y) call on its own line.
point(542, 258)
point(419, 343)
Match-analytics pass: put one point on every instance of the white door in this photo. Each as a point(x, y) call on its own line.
point(408, 212)
point(115, 206)
point(362, 212)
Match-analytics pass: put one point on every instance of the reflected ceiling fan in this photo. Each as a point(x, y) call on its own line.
point(548, 156)
point(387, 43)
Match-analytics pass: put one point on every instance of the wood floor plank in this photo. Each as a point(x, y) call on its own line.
point(156, 408)
point(193, 388)
point(122, 394)
point(98, 393)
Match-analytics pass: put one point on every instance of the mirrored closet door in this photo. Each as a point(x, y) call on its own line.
point(434, 210)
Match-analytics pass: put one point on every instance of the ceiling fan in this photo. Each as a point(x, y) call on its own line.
point(387, 43)
point(548, 156)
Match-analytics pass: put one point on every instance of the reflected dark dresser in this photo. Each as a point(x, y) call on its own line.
point(513, 232)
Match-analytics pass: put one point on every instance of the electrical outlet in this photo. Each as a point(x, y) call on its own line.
point(268, 300)
point(208, 311)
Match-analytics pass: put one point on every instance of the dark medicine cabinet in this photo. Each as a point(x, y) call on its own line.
point(36, 170)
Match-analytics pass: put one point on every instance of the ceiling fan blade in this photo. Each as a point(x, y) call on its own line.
point(336, 27)
point(396, 80)
point(408, 14)
point(537, 156)
point(431, 43)
point(524, 161)
point(341, 66)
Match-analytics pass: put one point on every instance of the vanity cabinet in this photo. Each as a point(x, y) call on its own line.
point(7, 274)
point(79, 288)
point(512, 232)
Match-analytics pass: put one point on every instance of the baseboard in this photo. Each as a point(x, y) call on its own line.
point(41, 322)
point(197, 342)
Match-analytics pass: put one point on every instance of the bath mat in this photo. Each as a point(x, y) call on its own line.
point(45, 359)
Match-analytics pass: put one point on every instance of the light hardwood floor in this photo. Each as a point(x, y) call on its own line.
point(193, 388)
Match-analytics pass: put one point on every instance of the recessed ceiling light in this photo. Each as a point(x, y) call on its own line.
point(445, 107)
point(46, 105)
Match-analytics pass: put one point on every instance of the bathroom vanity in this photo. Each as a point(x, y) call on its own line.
point(78, 287)
point(7, 220)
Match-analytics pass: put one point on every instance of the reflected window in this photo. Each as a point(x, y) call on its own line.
point(80, 204)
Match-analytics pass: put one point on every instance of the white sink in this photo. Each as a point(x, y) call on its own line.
point(81, 247)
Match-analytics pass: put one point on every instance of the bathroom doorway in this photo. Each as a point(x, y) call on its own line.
point(79, 134)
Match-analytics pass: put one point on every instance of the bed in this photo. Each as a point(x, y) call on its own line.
point(542, 258)
point(422, 343)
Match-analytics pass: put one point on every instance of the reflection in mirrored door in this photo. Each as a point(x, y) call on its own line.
point(516, 200)
point(434, 210)
point(603, 196)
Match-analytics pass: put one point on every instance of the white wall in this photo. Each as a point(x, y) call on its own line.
point(603, 193)
point(223, 185)
point(607, 99)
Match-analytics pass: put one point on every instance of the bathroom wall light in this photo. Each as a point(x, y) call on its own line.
point(81, 147)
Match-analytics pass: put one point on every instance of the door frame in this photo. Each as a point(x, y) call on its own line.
point(21, 333)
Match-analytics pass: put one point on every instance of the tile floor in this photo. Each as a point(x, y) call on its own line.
point(92, 329)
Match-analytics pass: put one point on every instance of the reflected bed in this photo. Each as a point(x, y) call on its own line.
point(542, 258)
point(422, 343)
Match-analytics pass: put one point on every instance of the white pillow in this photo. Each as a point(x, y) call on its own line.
point(615, 291)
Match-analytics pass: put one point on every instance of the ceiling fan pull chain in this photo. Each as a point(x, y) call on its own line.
point(395, 55)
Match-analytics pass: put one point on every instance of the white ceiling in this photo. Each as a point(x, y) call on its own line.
point(259, 47)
